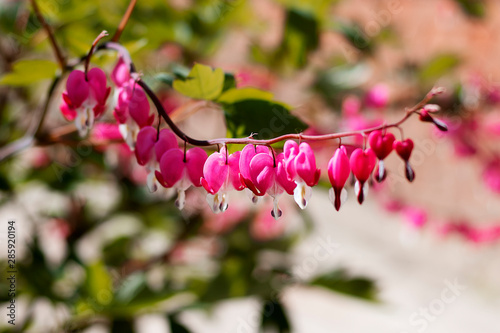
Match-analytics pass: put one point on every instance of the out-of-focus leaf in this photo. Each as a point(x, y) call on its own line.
point(98, 284)
point(341, 282)
point(113, 252)
point(301, 36)
point(201, 83)
point(176, 326)
point(130, 287)
point(122, 325)
point(235, 95)
point(266, 118)
point(4, 183)
point(473, 8)
point(438, 67)
point(26, 72)
point(166, 78)
point(229, 82)
point(274, 316)
point(355, 36)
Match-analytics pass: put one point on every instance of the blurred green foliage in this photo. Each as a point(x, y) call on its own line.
point(116, 285)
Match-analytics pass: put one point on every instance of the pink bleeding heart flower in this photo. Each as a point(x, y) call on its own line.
point(426, 117)
point(85, 98)
point(362, 164)
point(301, 167)
point(180, 171)
point(121, 73)
point(221, 173)
point(377, 97)
point(351, 106)
point(269, 176)
point(132, 112)
point(149, 150)
point(339, 170)
point(491, 175)
point(404, 149)
point(381, 144)
point(248, 152)
point(263, 173)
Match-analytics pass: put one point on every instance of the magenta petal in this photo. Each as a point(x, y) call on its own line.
point(362, 164)
point(215, 171)
point(305, 164)
point(234, 171)
point(146, 140)
point(404, 148)
point(381, 144)
point(339, 168)
point(262, 171)
point(195, 160)
point(246, 157)
point(120, 74)
point(97, 81)
point(138, 107)
point(282, 176)
point(165, 142)
point(172, 166)
point(77, 88)
point(290, 151)
point(66, 111)
point(106, 131)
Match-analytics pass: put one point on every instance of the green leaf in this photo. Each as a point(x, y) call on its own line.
point(341, 282)
point(201, 83)
point(473, 8)
point(130, 288)
point(274, 316)
point(166, 78)
point(98, 284)
point(438, 67)
point(176, 326)
point(229, 82)
point(236, 95)
point(26, 72)
point(354, 35)
point(266, 118)
point(301, 36)
point(122, 325)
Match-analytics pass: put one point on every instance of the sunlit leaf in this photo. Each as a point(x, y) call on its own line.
point(265, 119)
point(341, 282)
point(236, 95)
point(201, 83)
point(438, 67)
point(98, 284)
point(26, 72)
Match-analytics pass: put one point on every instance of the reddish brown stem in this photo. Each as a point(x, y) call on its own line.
point(124, 21)
point(60, 58)
point(91, 51)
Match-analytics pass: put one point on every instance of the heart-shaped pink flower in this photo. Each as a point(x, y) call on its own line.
point(180, 172)
point(339, 170)
point(362, 163)
point(85, 98)
point(381, 143)
point(404, 148)
point(121, 73)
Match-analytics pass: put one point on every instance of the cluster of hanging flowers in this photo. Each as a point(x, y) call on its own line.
point(259, 169)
